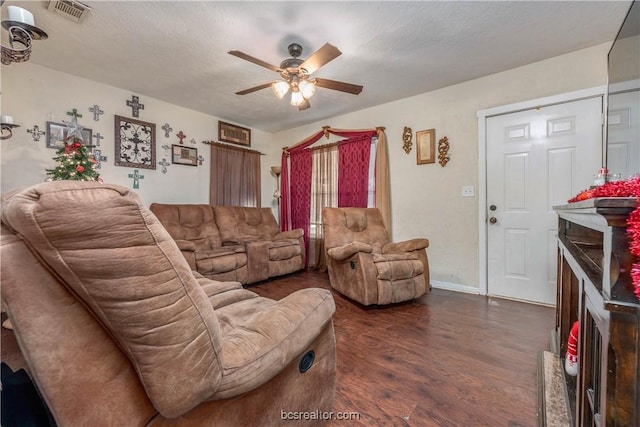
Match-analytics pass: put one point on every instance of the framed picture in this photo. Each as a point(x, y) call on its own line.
point(234, 134)
point(426, 144)
point(135, 145)
point(182, 155)
point(57, 133)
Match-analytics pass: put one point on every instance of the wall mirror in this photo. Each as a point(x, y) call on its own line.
point(623, 99)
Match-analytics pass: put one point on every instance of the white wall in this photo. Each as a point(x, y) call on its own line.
point(33, 95)
point(426, 199)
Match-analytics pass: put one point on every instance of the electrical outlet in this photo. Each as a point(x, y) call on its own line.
point(467, 191)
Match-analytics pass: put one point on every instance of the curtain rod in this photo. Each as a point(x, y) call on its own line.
point(231, 147)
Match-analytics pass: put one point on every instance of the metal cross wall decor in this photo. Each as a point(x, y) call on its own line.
point(135, 105)
point(97, 154)
point(167, 129)
point(96, 112)
point(36, 133)
point(166, 147)
point(98, 137)
point(164, 165)
point(136, 177)
point(200, 159)
point(75, 115)
point(181, 136)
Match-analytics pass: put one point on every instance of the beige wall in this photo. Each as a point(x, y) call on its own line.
point(426, 199)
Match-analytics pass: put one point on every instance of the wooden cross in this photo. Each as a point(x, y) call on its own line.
point(167, 130)
point(98, 137)
point(96, 112)
point(75, 115)
point(136, 177)
point(181, 136)
point(200, 159)
point(36, 133)
point(97, 154)
point(135, 105)
point(164, 165)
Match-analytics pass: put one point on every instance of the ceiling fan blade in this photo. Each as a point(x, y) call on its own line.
point(341, 86)
point(255, 88)
point(256, 61)
point(305, 105)
point(321, 57)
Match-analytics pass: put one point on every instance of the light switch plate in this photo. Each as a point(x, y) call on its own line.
point(467, 191)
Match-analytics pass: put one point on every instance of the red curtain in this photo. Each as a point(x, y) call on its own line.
point(353, 172)
point(300, 193)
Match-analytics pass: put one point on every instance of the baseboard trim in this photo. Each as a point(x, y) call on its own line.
point(455, 287)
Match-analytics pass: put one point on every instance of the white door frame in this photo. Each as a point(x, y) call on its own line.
point(482, 116)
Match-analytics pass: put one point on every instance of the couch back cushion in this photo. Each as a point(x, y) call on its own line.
point(347, 225)
point(195, 223)
point(242, 224)
point(114, 255)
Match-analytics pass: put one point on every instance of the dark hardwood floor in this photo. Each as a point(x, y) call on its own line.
point(446, 359)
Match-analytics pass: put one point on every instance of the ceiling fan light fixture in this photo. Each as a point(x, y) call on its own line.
point(280, 89)
point(307, 88)
point(297, 99)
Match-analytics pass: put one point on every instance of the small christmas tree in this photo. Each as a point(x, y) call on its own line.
point(75, 162)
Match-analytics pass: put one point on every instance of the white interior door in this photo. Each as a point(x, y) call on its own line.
point(536, 159)
point(623, 153)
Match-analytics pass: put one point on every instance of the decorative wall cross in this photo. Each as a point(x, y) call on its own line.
point(136, 177)
point(193, 141)
point(167, 129)
point(166, 147)
point(135, 105)
point(98, 137)
point(96, 112)
point(75, 115)
point(97, 154)
point(200, 159)
point(164, 165)
point(36, 133)
point(181, 136)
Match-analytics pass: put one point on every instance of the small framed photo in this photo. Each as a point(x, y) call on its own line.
point(182, 155)
point(58, 133)
point(426, 144)
point(234, 134)
point(135, 143)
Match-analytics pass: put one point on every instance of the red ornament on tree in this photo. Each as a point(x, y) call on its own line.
point(80, 168)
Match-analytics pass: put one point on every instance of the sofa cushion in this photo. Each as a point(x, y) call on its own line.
point(219, 261)
point(284, 249)
point(242, 224)
point(192, 222)
point(155, 310)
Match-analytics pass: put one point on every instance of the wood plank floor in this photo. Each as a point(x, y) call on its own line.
point(446, 359)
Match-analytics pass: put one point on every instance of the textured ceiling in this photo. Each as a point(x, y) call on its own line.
point(176, 51)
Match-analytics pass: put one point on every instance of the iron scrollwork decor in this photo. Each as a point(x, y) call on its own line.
point(135, 145)
point(407, 134)
point(443, 151)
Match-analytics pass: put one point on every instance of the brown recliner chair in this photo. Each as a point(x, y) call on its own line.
point(117, 330)
point(365, 265)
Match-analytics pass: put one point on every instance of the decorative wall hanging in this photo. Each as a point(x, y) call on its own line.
point(96, 112)
point(193, 141)
point(166, 147)
point(58, 133)
point(426, 146)
point(406, 139)
point(200, 160)
point(6, 122)
point(182, 155)
point(135, 105)
point(181, 136)
point(135, 144)
point(36, 133)
point(234, 134)
point(136, 178)
point(164, 165)
point(98, 137)
point(97, 154)
point(443, 150)
point(167, 129)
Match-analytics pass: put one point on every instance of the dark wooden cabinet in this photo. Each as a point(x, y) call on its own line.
point(594, 287)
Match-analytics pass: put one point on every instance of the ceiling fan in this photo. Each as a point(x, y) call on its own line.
point(296, 75)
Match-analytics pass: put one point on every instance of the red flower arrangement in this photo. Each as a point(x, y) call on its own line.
point(628, 188)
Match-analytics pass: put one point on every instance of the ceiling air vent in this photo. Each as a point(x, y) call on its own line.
point(70, 9)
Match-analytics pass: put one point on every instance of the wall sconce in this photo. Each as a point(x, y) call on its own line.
point(7, 127)
point(22, 31)
point(276, 171)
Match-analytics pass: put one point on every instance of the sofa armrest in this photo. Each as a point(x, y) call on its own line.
point(186, 245)
point(340, 253)
point(289, 234)
point(406, 246)
point(260, 347)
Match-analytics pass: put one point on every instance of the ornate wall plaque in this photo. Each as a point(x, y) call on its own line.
point(135, 144)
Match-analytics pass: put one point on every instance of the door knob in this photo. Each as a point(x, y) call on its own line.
point(493, 220)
